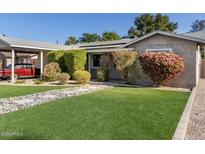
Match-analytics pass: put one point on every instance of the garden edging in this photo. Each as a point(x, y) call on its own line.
point(180, 131)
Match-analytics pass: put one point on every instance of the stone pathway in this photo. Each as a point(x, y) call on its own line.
point(196, 125)
point(15, 103)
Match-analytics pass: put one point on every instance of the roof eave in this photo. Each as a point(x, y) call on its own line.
point(167, 34)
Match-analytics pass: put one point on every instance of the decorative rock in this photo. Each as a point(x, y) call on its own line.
point(15, 103)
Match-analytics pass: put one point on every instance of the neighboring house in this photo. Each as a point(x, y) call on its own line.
point(188, 45)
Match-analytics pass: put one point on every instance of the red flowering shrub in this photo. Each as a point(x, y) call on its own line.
point(161, 66)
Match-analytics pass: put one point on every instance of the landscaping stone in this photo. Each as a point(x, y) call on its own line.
point(15, 103)
point(196, 125)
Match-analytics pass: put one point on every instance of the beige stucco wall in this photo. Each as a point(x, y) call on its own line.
point(186, 49)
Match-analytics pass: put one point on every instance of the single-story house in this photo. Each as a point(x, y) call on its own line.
point(188, 45)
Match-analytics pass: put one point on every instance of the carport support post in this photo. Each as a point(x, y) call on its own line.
point(12, 65)
point(41, 69)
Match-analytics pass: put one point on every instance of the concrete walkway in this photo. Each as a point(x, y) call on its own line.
point(15, 103)
point(196, 125)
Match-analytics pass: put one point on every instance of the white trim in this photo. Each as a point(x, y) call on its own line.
point(161, 49)
point(29, 47)
point(12, 65)
point(166, 34)
point(41, 61)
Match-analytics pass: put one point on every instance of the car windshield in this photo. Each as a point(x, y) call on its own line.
point(8, 66)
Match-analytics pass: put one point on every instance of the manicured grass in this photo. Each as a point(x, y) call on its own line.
point(11, 91)
point(118, 113)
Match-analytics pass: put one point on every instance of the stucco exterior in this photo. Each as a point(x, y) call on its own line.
point(185, 48)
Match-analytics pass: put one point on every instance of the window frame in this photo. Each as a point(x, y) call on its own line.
point(160, 50)
point(92, 63)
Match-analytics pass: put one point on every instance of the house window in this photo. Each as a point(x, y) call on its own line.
point(96, 60)
point(159, 50)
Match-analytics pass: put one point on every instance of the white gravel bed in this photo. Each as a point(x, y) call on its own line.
point(15, 103)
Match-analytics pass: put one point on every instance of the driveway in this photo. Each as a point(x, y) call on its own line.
point(196, 125)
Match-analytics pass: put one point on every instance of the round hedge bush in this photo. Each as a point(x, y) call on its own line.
point(82, 77)
point(161, 66)
point(51, 72)
point(63, 78)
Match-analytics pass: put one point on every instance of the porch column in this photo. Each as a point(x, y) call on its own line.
point(89, 59)
point(12, 65)
point(41, 64)
point(198, 60)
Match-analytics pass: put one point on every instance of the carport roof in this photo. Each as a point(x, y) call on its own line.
point(28, 44)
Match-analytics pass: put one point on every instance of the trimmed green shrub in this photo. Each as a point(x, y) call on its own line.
point(38, 81)
point(19, 81)
point(133, 74)
point(102, 75)
point(63, 78)
point(124, 61)
point(51, 72)
point(82, 77)
point(75, 60)
point(57, 56)
point(161, 66)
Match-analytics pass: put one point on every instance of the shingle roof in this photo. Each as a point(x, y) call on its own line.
point(199, 34)
point(103, 43)
point(23, 43)
point(16, 42)
point(190, 38)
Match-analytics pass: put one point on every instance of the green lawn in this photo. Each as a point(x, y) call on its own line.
point(118, 113)
point(11, 91)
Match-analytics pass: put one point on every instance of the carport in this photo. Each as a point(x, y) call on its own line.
point(15, 46)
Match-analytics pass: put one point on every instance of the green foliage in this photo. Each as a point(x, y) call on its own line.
point(133, 74)
point(75, 60)
point(102, 75)
point(161, 66)
point(71, 40)
point(148, 23)
point(38, 81)
point(198, 25)
point(63, 78)
point(82, 77)
point(90, 37)
point(51, 72)
point(105, 61)
point(103, 72)
point(19, 81)
point(109, 36)
point(123, 60)
point(57, 57)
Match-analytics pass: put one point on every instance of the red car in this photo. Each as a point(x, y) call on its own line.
point(20, 70)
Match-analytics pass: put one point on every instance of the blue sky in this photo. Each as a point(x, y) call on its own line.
point(53, 27)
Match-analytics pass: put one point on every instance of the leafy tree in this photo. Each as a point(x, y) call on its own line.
point(71, 40)
point(198, 25)
point(90, 37)
point(124, 60)
point(148, 23)
point(109, 36)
